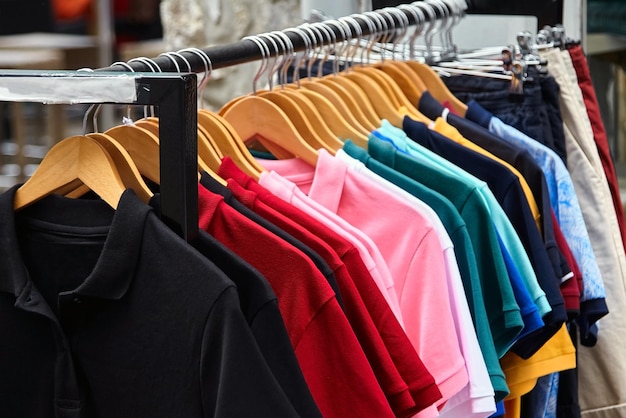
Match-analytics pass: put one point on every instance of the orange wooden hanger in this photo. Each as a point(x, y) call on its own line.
point(77, 160)
point(256, 117)
point(299, 118)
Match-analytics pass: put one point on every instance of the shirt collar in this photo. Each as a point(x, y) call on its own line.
point(429, 106)
point(328, 183)
point(114, 270)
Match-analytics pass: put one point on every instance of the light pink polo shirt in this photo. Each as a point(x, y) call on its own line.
point(368, 251)
point(409, 244)
point(476, 399)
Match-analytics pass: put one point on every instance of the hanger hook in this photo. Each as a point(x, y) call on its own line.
point(283, 41)
point(445, 26)
point(418, 14)
point(264, 60)
point(185, 60)
point(150, 63)
point(299, 61)
point(173, 60)
point(99, 106)
point(376, 32)
point(386, 32)
point(273, 67)
point(289, 55)
point(345, 41)
point(330, 48)
point(403, 25)
point(315, 48)
point(320, 50)
point(349, 20)
point(208, 70)
point(371, 38)
point(428, 35)
point(91, 107)
point(153, 67)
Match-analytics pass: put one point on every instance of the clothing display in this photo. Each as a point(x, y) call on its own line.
point(380, 241)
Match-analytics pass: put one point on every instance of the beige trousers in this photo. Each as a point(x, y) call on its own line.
point(602, 369)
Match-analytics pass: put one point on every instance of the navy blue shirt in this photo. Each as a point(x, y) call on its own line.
point(508, 191)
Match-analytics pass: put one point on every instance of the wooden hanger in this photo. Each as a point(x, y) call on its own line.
point(410, 84)
point(337, 121)
point(229, 142)
point(142, 146)
point(349, 89)
point(68, 164)
point(298, 117)
point(130, 175)
point(318, 122)
point(396, 95)
point(341, 101)
point(385, 108)
point(256, 117)
point(437, 87)
point(208, 159)
point(207, 151)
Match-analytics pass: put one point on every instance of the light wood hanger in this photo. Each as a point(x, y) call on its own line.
point(68, 164)
point(300, 119)
point(208, 159)
point(437, 87)
point(341, 101)
point(207, 151)
point(316, 118)
point(385, 108)
point(390, 85)
point(349, 89)
point(130, 175)
point(410, 85)
point(142, 146)
point(229, 142)
point(338, 122)
point(256, 117)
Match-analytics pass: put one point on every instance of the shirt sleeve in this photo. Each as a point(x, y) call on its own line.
point(235, 379)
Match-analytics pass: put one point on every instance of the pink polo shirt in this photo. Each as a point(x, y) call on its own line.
point(409, 244)
point(476, 399)
point(368, 251)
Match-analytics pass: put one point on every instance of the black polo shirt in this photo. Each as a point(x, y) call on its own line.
point(110, 314)
point(259, 306)
point(508, 191)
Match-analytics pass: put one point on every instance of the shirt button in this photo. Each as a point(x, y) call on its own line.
point(77, 301)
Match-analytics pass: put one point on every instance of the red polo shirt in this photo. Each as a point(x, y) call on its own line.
point(334, 366)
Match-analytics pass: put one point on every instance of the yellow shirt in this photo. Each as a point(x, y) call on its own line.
point(556, 355)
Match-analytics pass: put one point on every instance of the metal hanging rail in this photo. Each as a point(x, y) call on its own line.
point(246, 50)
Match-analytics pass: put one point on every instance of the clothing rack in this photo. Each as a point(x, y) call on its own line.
point(174, 94)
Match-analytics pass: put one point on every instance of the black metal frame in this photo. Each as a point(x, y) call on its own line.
point(176, 96)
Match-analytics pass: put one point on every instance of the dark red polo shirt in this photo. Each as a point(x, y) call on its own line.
point(333, 363)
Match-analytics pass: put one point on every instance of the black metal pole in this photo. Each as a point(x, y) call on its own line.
point(244, 51)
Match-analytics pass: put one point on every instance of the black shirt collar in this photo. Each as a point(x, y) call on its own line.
point(114, 270)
